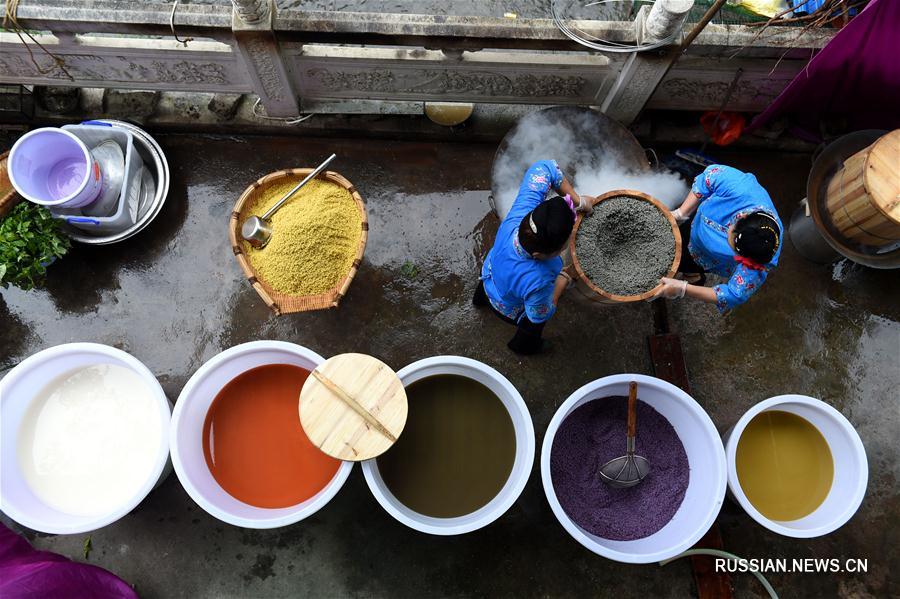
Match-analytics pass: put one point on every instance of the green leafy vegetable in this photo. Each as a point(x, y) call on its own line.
point(87, 547)
point(409, 270)
point(30, 240)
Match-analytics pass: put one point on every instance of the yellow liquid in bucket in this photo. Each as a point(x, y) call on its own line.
point(784, 465)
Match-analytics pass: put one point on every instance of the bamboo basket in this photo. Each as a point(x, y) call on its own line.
point(281, 303)
point(863, 197)
point(587, 288)
point(8, 196)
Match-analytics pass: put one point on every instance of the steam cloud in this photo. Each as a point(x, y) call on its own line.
point(665, 186)
point(594, 165)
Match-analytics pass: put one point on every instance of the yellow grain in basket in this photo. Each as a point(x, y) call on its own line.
point(314, 239)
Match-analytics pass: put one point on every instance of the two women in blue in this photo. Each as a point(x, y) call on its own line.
point(729, 227)
point(523, 277)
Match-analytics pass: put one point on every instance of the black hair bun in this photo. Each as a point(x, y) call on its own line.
point(553, 220)
point(757, 236)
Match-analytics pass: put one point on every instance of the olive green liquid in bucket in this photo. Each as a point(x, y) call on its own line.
point(456, 451)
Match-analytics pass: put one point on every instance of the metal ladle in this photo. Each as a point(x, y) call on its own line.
point(629, 469)
point(257, 231)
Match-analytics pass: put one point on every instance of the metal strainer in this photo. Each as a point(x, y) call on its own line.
point(629, 469)
point(257, 230)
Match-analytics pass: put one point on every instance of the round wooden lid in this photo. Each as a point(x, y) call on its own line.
point(882, 175)
point(353, 407)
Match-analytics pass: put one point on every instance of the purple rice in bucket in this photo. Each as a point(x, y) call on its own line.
point(593, 434)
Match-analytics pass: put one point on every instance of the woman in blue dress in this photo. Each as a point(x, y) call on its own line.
point(523, 278)
point(736, 233)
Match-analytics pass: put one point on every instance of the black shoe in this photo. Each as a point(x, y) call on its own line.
point(527, 346)
point(480, 299)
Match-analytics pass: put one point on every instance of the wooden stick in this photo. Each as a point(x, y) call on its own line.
point(632, 409)
point(701, 25)
point(345, 397)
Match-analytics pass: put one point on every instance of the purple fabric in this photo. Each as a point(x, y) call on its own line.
point(593, 434)
point(571, 204)
point(26, 573)
point(855, 77)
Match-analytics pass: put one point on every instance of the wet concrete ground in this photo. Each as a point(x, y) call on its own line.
point(174, 297)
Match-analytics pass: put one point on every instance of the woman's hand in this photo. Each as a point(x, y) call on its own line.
point(684, 212)
point(676, 289)
point(586, 204)
point(567, 275)
point(564, 280)
point(583, 204)
point(671, 288)
point(680, 218)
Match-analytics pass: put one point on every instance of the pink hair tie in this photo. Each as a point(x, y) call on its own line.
point(568, 199)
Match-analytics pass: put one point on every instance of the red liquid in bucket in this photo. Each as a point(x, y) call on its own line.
point(254, 444)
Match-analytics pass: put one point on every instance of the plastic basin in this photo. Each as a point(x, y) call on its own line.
point(125, 211)
point(706, 458)
point(187, 436)
point(524, 431)
point(52, 167)
point(18, 389)
point(851, 468)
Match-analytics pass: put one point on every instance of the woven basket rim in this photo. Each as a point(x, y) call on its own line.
point(637, 195)
point(283, 303)
point(10, 198)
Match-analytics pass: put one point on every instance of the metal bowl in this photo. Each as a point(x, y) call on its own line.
point(148, 191)
point(111, 158)
point(152, 197)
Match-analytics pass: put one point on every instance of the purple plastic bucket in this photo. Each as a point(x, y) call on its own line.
point(52, 167)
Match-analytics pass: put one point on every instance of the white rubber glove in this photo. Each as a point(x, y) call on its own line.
point(671, 288)
point(585, 205)
point(679, 217)
point(568, 273)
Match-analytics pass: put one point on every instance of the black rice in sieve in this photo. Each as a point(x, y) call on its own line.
point(625, 246)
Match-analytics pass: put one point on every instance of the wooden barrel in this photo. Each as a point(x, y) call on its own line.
point(586, 287)
point(863, 197)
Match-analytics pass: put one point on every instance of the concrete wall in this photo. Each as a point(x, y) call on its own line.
point(292, 58)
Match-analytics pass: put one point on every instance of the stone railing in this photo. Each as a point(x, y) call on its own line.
point(286, 56)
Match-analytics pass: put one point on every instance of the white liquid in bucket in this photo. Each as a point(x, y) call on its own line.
point(65, 177)
point(88, 439)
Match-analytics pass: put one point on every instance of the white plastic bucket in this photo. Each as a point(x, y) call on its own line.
point(524, 432)
point(187, 436)
point(52, 167)
point(706, 457)
point(18, 389)
point(851, 468)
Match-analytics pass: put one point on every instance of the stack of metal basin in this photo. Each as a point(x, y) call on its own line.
point(144, 187)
